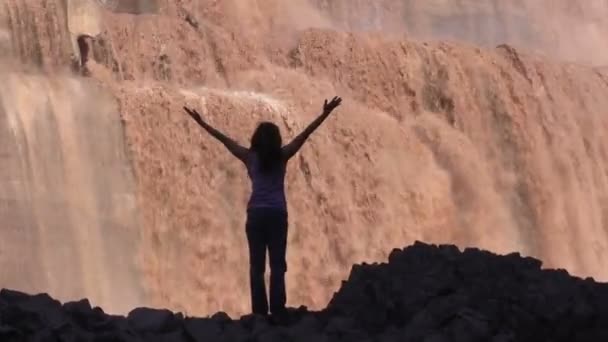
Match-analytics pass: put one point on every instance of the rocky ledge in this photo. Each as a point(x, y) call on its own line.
point(424, 293)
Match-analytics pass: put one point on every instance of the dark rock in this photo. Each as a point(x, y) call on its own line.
point(221, 318)
point(316, 337)
point(23, 320)
point(340, 325)
point(152, 320)
point(420, 325)
point(260, 327)
point(307, 325)
point(12, 296)
point(200, 329)
point(8, 333)
point(110, 336)
point(449, 251)
point(41, 309)
point(119, 323)
point(42, 336)
point(296, 314)
point(592, 335)
point(355, 336)
point(394, 256)
point(504, 337)
point(426, 286)
point(37, 302)
point(250, 321)
point(235, 333)
point(71, 332)
point(85, 316)
point(173, 336)
point(273, 335)
point(392, 334)
point(469, 326)
point(532, 263)
point(437, 337)
point(424, 293)
point(81, 307)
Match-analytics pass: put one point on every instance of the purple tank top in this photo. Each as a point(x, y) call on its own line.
point(268, 189)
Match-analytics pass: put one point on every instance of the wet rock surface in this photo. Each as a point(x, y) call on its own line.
point(423, 293)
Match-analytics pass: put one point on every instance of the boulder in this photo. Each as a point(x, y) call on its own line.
point(147, 320)
point(201, 329)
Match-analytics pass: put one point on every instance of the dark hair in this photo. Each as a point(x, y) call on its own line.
point(266, 142)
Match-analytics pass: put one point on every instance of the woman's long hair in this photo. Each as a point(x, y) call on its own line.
point(266, 142)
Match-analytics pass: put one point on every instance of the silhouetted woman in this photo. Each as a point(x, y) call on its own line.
point(266, 161)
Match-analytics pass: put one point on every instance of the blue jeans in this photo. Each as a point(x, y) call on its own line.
point(267, 229)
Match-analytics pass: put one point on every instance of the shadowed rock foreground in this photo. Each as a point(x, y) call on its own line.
point(424, 293)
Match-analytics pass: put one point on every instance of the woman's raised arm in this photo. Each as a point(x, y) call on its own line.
point(294, 146)
point(240, 152)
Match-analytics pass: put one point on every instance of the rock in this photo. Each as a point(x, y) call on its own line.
point(420, 325)
point(78, 308)
point(340, 325)
point(392, 334)
point(317, 337)
point(260, 327)
point(85, 316)
point(532, 263)
point(173, 336)
point(425, 293)
point(306, 326)
point(8, 333)
point(221, 318)
point(449, 251)
point(591, 336)
point(249, 322)
point(45, 335)
point(274, 335)
point(22, 320)
point(37, 302)
point(296, 314)
point(110, 336)
point(201, 329)
point(12, 296)
point(48, 311)
point(504, 337)
point(352, 336)
point(235, 333)
point(437, 337)
point(119, 323)
point(152, 320)
point(469, 326)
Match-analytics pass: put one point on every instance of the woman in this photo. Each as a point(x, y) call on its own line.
point(266, 161)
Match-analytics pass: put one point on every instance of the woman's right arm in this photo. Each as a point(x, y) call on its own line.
point(240, 152)
point(294, 146)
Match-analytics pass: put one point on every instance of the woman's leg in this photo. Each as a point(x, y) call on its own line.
point(277, 245)
point(256, 239)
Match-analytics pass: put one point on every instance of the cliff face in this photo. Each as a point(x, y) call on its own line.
point(441, 142)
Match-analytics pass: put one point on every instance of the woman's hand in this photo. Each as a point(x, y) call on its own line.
point(333, 104)
point(237, 150)
point(294, 146)
point(195, 115)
